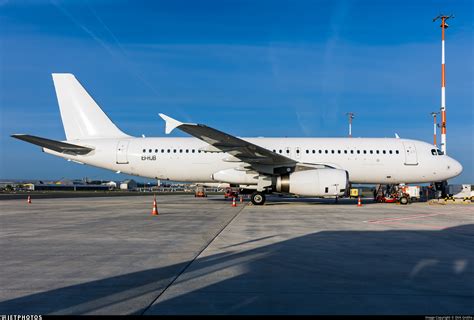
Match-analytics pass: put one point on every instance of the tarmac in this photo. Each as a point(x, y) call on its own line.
point(203, 256)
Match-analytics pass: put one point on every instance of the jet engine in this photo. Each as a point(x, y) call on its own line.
point(314, 182)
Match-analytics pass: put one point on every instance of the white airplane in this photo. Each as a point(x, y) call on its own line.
point(318, 167)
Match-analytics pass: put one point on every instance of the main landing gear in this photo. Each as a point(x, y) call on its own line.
point(257, 198)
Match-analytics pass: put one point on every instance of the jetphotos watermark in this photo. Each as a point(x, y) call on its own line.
point(20, 317)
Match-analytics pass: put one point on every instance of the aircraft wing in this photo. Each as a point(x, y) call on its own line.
point(260, 159)
point(54, 145)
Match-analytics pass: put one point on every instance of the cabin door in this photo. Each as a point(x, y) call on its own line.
point(411, 158)
point(122, 151)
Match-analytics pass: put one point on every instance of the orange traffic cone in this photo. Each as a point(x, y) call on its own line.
point(241, 199)
point(29, 200)
point(359, 202)
point(233, 202)
point(154, 212)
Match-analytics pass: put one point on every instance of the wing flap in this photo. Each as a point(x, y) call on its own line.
point(54, 145)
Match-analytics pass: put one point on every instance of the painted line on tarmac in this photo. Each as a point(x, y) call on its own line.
point(421, 216)
point(396, 221)
point(413, 225)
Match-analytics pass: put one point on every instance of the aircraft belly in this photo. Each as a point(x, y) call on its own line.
point(184, 170)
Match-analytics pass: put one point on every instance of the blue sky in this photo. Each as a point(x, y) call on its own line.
point(251, 68)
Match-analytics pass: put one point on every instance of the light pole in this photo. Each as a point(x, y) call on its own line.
point(435, 124)
point(351, 116)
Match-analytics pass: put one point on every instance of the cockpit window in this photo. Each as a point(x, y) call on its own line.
point(437, 152)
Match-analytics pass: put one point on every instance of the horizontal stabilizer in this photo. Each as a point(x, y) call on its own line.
point(54, 145)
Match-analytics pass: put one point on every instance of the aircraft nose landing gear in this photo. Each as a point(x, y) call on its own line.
point(258, 198)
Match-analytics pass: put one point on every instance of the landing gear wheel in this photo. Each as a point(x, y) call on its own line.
point(404, 200)
point(258, 198)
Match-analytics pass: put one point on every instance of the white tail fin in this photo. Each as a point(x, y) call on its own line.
point(82, 117)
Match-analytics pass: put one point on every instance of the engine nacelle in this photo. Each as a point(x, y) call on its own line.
point(234, 176)
point(315, 182)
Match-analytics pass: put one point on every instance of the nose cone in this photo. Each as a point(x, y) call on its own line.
point(454, 167)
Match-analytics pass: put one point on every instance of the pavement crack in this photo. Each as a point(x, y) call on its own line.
point(205, 246)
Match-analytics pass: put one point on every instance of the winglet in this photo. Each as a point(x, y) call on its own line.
point(171, 123)
point(397, 136)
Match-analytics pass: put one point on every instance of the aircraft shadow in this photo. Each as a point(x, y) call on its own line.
point(275, 200)
point(327, 272)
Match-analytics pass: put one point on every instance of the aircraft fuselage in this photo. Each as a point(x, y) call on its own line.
point(367, 160)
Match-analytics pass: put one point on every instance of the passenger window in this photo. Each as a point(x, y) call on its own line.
point(144, 150)
point(307, 151)
point(162, 150)
point(383, 151)
point(365, 151)
point(279, 151)
point(376, 151)
point(345, 151)
point(187, 150)
point(325, 151)
point(371, 151)
point(192, 150)
point(358, 151)
point(390, 151)
point(156, 150)
point(174, 150)
point(287, 150)
point(332, 151)
point(297, 150)
point(150, 151)
point(169, 150)
point(396, 151)
point(326, 190)
point(199, 151)
point(320, 151)
point(339, 151)
point(352, 151)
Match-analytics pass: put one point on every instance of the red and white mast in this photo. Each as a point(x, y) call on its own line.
point(444, 25)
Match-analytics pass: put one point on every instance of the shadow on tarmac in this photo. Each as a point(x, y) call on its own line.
point(328, 272)
point(275, 201)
